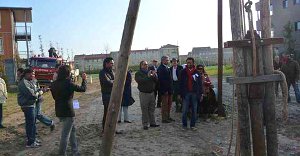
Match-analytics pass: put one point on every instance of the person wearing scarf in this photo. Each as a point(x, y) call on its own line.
point(191, 90)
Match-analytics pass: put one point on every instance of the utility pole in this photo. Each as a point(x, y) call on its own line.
point(221, 109)
point(121, 71)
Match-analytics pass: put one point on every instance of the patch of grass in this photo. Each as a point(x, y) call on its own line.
point(213, 70)
point(11, 106)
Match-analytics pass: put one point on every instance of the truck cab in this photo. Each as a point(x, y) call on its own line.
point(44, 68)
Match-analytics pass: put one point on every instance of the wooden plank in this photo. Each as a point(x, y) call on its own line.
point(119, 82)
point(248, 43)
point(258, 79)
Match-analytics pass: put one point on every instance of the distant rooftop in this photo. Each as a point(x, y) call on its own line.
point(91, 57)
point(169, 46)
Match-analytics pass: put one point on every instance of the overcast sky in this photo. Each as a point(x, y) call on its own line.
point(88, 26)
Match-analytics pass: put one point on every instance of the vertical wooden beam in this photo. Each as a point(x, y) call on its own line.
point(121, 71)
point(243, 144)
point(26, 37)
point(269, 104)
point(221, 109)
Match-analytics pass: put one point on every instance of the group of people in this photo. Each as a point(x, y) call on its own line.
point(30, 98)
point(188, 88)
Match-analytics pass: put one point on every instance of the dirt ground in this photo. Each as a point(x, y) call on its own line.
point(211, 138)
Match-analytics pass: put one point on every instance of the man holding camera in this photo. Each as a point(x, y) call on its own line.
point(146, 80)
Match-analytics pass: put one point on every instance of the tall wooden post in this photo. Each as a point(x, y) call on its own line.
point(121, 71)
point(221, 109)
point(244, 141)
point(26, 37)
point(269, 104)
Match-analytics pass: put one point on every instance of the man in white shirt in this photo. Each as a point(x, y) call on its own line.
point(175, 72)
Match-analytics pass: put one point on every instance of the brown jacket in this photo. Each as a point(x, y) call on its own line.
point(291, 70)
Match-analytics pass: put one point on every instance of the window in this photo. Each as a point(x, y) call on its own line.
point(1, 47)
point(297, 26)
point(285, 3)
point(296, 1)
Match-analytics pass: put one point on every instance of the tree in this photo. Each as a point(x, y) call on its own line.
point(288, 38)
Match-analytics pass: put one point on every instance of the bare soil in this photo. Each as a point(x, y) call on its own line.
point(211, 137)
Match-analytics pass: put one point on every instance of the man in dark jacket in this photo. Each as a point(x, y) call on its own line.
point(165, 88)
point(106, 77)
point(62, 90)
point(154, 67)
point(191, 90)
point(146, 80)
point(27, 97)
point(175, 73)
point(291, 70)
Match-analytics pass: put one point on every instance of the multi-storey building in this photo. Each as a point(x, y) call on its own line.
point(89, 62)
point(283, 12)
point(150, 54)
point(10, 33)
point(209, 56)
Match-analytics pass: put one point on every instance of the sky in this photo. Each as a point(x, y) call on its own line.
point(93, 26)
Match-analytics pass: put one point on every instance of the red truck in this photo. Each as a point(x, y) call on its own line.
point(44, 68)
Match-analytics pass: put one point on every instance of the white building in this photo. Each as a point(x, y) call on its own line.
point(89, 62)
point(137, 56)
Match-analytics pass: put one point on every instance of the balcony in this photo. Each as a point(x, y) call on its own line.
point(20, 34)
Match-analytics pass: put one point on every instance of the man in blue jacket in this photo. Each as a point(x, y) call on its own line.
point(191, 90)
point(165, 88)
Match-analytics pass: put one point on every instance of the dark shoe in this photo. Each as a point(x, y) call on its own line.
point(1, 126)
point(119, 121)
point(38, 141)
point(119, 132)
point(52, 127)
point(166, 121)
point(127, 121)
point(34, 145)
point(145, 128)
point(154, 125)
point(172, 120)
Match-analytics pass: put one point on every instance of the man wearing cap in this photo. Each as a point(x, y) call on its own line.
point(165, 88)
point(175, 73)
point(291, 70)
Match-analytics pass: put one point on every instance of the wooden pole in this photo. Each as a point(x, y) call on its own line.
point(121, 71)
point(269, 104)
point(221, 109)
point(26, 38)
point(243, 144)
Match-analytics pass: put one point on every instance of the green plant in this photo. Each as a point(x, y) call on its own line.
point(289, 39)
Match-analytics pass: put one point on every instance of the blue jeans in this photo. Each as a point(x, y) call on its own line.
point(1, 113)
point(39, 116)
point(296, 89)
point(29, 124)
point(190, 98)
point(68, 133)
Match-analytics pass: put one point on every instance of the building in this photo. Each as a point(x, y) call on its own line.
point(282, 12)
point(209, 56)
point(89, 62)
point(136, 56)
point(10, 34)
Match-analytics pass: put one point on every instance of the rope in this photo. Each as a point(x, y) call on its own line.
point(232, 119)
